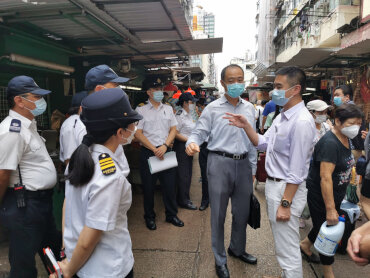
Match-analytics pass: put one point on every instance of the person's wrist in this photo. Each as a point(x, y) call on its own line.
point(167, 147)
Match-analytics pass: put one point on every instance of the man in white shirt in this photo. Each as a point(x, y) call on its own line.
point(72, 130)
point(156, 132)
point(27, 179)
point(289, 143)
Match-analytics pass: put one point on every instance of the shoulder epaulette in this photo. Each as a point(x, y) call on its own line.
point(15, 126)
point(141, 104)
point(178, 113)
point(106, 164)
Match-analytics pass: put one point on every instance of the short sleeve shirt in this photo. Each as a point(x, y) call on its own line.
point(71, 135)
point(269, 107)
point(330, 149)
point(156, 123)
point(101, 204)
point(185, 122)
point(26, 148)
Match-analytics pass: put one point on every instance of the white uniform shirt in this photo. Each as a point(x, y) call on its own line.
point(101, 204)
point(289, 143)
point(185, 122)
point(156, 123)
point(71, 135)
point(222, 136)
point(27, 149)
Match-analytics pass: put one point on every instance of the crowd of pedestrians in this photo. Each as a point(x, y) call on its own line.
point(309, 160)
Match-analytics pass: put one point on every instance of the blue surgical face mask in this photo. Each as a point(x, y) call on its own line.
point(40, 106)
point(158, 96)
point(278, 96)
point(338, 101)
point(235, 90)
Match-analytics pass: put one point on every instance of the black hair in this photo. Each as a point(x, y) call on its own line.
point(73, 110)
point(11, 102)
point(201, 101)
point(223, 72)
point(264, 102)
point(347, 90)
point(244, 95)
point(295, 76)
point(348, 111)
point(81, 167)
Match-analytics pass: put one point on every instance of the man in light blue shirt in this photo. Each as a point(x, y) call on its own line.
point(231, 164)
point(289, 143)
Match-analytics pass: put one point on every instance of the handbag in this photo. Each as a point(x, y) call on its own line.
point(254, 213)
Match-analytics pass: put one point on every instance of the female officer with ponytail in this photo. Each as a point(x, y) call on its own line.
point(98, 195)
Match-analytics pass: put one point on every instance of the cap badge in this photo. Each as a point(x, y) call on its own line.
point(106, 164)
point(125, 114)
point(159, 80)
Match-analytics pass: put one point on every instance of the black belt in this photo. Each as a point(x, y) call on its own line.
point(274, 179)
point(39, 194)
point(233, 156)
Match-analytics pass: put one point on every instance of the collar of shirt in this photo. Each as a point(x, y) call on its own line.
point(103, 149)
point(25, 122)
point(151, 105)
point(223, 100)
point(293, 110)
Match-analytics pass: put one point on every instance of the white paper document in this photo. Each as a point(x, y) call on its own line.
point(156, 165)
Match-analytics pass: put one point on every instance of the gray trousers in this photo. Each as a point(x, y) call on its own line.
point(228, 178)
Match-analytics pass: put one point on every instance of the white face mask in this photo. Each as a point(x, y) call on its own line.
point(350, 131)
point(192, 107)
point(131, 137)
point(320, 119)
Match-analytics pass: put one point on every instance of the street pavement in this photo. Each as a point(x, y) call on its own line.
point(172, 252)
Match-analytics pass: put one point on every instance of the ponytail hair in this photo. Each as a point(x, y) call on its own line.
point(81, 167)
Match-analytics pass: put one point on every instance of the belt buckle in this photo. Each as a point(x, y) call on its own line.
point(237, 156)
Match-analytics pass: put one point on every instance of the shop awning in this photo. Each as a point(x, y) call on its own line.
point(307, 57)
point(356, 42)
point(149, 31)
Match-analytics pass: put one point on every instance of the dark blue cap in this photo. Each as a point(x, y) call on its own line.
point(107, 109)
point(24, 84)
point(100, 75)
point(153, 81)
point(77, 98)
point(186, 97)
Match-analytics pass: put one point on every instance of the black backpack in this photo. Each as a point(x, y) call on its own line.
point(258, 120)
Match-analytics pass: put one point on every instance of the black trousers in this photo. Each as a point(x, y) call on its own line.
point(30, 230)
point(317, 210)
point(167, 179)
point(203, 157)
point(184, 173)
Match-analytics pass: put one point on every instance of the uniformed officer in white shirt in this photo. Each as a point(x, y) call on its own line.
point(289, 143)
point(230, 167)
point(98, 195)
point(27, 179)
point(72, 130)
point(185, 125)
point(156, 132)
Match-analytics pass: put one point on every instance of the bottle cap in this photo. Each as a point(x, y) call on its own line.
point(342, 219)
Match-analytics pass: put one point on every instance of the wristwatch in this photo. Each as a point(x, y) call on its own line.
point(285, 203)
point(166, 145)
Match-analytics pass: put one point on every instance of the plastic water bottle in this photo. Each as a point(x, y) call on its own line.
point(328, 239)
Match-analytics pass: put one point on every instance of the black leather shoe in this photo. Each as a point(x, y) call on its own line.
point(313, 258)
point(245, 257)
point(150, 224)
point(175, 221)
point(189, 206)
point(203, 206)
point(222, 271)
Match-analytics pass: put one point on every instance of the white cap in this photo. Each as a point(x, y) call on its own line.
point(317, 105)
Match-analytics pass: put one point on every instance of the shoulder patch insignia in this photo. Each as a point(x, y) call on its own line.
point(178, 113)
point(15, 126)
point(106, 164)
